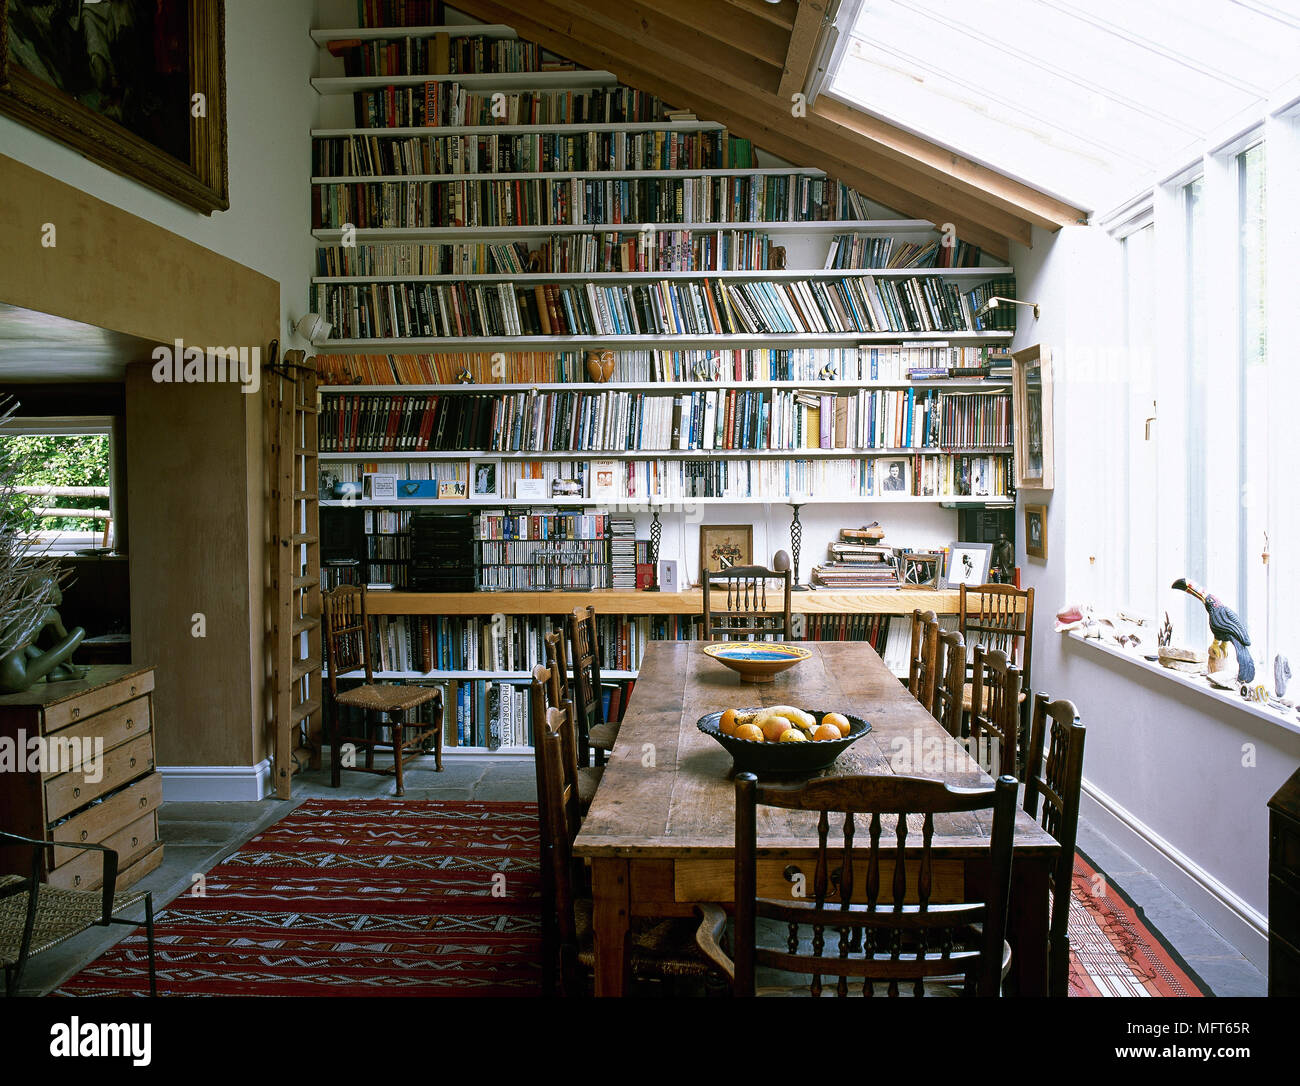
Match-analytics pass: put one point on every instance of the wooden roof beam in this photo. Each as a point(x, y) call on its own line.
point(740, 29)
point(803, 43)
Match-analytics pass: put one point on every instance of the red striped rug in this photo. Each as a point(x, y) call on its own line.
point(353, 898)
point(1114, 950)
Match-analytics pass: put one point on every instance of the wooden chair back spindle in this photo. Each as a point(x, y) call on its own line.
point(894, 935)
point(924, 650)
point(346, 629)
point(995, 711)
point(1054, 777)
point(588, 707)
point(746, 616)
point(949, 681)
point(999, 616)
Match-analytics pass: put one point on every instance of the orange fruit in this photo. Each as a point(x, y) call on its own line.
point(774, 727)
point(793, 735)
point(826, 731)
point(727, 725)
point(839, 720)
point(750, 731)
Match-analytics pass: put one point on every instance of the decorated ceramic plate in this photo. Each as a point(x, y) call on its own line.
point(757, 661)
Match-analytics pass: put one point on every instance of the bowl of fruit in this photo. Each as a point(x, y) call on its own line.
point(757, 661)
point(783, 739)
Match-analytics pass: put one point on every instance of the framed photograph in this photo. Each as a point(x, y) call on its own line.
point(485, 478)
point(723, 545)
point(566, 488)
point(380, 486)
point(135, 85)
point(1031, 390)
point(968, 564)
point(604, 481)
point(920, 569)
point(531, 489)
point(453, 489)
point(892, 475)
point(1036, 531)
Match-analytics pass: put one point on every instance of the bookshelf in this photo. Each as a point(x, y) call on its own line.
point(712, 274)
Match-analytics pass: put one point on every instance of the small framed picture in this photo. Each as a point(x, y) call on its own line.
point(485, 478)
point(380, 486)
point(604, 484)
point(892, 475)
point(968, 564)
point(566, 488)
point(531, 489)
point(1036, 531)
point(724, 545)
point(453, 489)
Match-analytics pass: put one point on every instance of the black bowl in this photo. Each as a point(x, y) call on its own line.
point(752, 756)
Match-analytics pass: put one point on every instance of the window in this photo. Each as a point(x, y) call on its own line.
point(62, 468)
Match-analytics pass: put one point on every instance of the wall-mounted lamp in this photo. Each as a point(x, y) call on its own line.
point(312, 327)
point(994, 302)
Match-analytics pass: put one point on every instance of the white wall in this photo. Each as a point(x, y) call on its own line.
point(270, 111)
point(1177, 778)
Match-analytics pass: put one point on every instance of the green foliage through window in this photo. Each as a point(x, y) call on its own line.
point(64, 460)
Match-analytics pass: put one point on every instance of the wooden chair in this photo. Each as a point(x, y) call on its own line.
point(1054, 773)
point(583, 779)
point(927, 945)
point(35, 917)
point(744, 615)
point(998, 616)
point(921, 663)
point(660, 950)
point(949, 682)
point(995, 725)
point(347, 649)
point(594, 731)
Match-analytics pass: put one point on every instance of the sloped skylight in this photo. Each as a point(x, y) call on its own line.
point(1085, 99)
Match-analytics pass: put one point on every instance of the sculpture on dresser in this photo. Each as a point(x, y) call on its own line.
point(33, 641)
point(1226, 626)
point(1004, 560)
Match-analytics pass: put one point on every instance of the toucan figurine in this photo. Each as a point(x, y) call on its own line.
point(1226, 625)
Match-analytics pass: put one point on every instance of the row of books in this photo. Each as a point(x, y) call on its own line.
point(666, 307)
point(650, 481)
point(537, 527)
point(580, 201)
point(436, 54)
point(449, 104)
point(882, 362)
point(618, 421)
point(396, 13)
point(871, 251)
point(528, 152)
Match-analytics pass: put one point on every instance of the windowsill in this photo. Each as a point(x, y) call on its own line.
point(1195, 683)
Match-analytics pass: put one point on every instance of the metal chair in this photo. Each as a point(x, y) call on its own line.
point(34, 916)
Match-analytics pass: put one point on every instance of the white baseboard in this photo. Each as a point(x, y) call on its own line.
point(216, 783)
point(1217, 904)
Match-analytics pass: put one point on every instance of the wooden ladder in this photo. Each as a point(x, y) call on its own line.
point(293, 518)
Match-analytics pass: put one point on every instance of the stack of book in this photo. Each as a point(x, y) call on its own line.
point(857, 563)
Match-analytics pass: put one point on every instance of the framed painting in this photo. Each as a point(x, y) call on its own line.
point(1031, 387)
point(1036, 531)
point(135, 85)
point(723, 545)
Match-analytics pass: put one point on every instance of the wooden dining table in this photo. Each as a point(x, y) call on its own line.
point(660, 833)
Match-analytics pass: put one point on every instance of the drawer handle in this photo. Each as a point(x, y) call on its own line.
point(791, 873)
point(132, 762)
point(134, 841)
point(144, 801)
point(133, 690)
point(85, 834)
point(130, 722)
point(76, 880)
point(76, 712)
point(76, 793)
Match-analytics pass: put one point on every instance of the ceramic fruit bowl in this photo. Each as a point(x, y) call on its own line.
point(751, 756)
point(757, 661)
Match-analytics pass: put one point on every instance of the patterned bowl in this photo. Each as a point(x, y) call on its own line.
point(757, 661)
point(752, 756)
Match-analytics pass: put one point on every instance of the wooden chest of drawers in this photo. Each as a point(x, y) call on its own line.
point(77, 767)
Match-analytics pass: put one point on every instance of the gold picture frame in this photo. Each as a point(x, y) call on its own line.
point(201, 182)
point(1031, 387)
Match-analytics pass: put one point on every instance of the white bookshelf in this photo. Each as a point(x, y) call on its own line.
point(387, 33)
point(949, 385)
point(782, 275)
point(912, 228)
point(499, 81)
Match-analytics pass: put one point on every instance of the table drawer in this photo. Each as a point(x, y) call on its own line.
point(95, 823)
point(86, 872)
point(77, 710)
point(68, 791)
point(714, 880)
point(105, 730)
